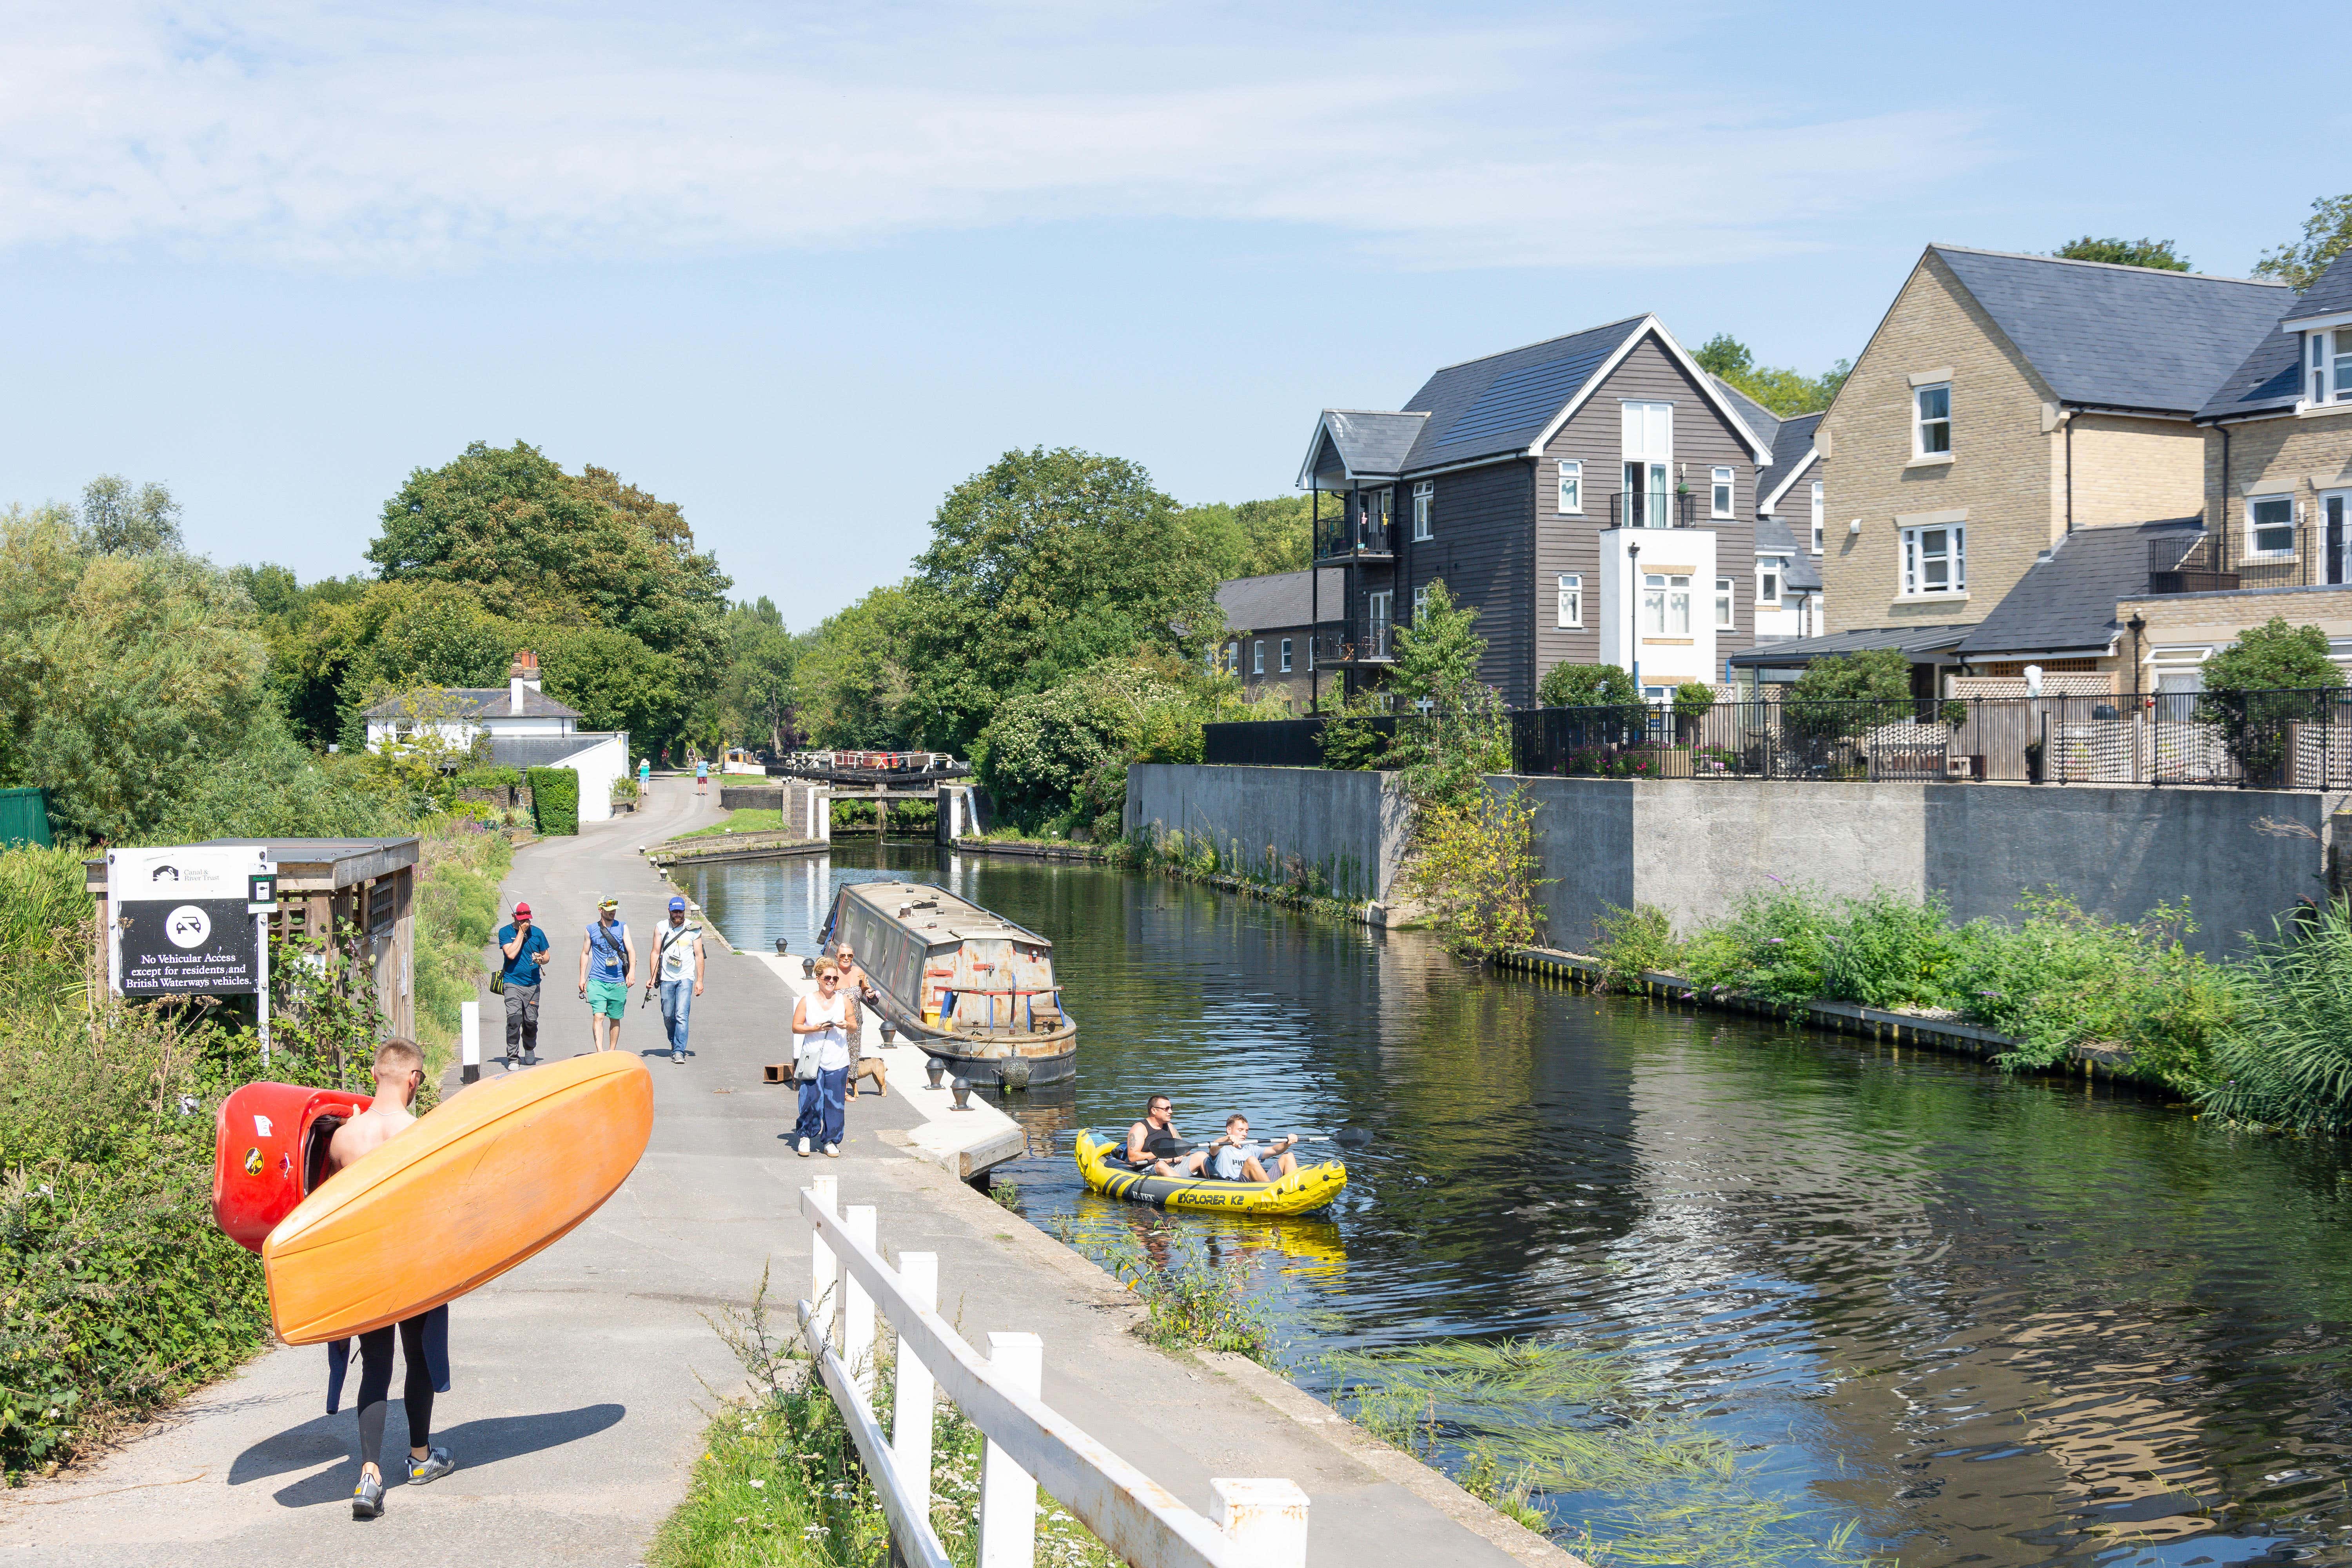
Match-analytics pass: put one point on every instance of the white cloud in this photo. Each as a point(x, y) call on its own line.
point(402, 138)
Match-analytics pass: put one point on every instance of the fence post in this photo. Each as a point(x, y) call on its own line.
point(1265, 1520)
point(823, 1265)
point(858, 1322)
point(910, 1406)
point(470, 1041)
point(1008, 1494)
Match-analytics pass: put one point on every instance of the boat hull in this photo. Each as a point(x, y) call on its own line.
point(498, 1173)
point(1021, 1061)
point(1304, 1190)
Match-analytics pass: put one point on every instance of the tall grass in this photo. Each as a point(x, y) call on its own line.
point(2284, 1059)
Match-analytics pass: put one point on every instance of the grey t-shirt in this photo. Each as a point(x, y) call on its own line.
point(1232, 1158)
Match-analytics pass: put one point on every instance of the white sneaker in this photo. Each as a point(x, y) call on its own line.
point(833, 1151)
point(804, 1149)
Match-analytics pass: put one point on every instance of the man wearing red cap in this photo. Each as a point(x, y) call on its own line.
point(520, 948)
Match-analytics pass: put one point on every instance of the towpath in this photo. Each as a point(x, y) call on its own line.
point(581, 1379)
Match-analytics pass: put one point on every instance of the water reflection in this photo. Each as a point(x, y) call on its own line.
point(2001, 1322)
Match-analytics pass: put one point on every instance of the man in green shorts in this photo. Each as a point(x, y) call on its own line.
point(608, 964)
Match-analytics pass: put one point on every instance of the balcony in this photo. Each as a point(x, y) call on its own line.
point(1364, 536)
point(1659, 510)
point(2203, 563)
point(1341, 650)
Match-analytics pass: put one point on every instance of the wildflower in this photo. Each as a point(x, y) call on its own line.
point(758, 1482)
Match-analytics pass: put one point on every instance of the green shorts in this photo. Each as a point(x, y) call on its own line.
point(610, 997)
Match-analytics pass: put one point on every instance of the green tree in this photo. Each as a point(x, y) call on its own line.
point(1874, 674)
point(756, 702)
point(2156, 253)
point(851, 674)
point(1567, 684)
point(1785, 392)
point(121, 518)
point(1455, 730)
point(1254, 538)
point(2325, 234)
point(1044, 564)
point(2273, 676)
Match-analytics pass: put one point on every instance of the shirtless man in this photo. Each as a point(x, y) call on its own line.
point(399, 1074)
point(1153, 1146)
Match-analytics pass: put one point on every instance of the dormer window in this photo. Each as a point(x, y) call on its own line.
point(2330, 379)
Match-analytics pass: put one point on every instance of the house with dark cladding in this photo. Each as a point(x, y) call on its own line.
point(1594, 497)
point(1270, 627)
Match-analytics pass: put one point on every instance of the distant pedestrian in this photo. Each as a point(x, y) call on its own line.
point(677, 965)
point(608, 964)
point(522, 947)
point(702, 775)
point(821, 1030)
point(644, 775)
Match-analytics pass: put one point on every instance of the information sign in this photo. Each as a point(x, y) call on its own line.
point(183, 924)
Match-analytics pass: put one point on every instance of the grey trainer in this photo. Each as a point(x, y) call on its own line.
point(435, 1464)
point(367, 1498)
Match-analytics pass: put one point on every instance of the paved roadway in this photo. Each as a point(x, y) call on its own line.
point(581, 1379)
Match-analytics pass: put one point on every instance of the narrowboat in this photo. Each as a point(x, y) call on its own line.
point(968, 986)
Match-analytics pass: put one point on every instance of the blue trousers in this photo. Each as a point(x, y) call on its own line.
point(823, 1106)
point(676, 1001)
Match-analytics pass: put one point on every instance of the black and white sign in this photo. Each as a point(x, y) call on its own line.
point(182, 925)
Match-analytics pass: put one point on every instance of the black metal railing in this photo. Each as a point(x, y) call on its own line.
point(1362, 533)
point(2255, 739)
point(1661, 509)
point(1372, 645)
point(2210, 563)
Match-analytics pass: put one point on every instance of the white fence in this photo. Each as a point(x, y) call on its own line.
point(1261, 1525)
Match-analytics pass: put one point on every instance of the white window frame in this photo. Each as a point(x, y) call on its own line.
point(1424, 501)
point(1914, 566)
point(1571, 487)
point(1665, 604)
point(1817, 517)
point(1719, 493)
point(2340, 367)
point(1420, 602)
point(1285, 656)
point(1570, 608)
point(2254, 529)
point(1310, 651)
point(1234, 657)
point(1920, 420)
point(1257, 655)
point(1726, 612)
point(1771, 571)
point(1646, 441)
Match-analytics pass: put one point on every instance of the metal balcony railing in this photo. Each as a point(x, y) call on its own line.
point(2210, 563)
point(1340, 649)
point(1662, 509)
point(1362, 536)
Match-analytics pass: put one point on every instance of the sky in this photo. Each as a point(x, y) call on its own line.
point(804, 268)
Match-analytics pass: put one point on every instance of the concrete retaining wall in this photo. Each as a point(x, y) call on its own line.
point(751, 797)
point(2238, 857)
point(1348, 824)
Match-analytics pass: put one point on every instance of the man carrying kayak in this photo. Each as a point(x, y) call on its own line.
point(1153, 1146)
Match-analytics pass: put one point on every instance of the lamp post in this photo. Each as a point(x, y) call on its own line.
point(2138, 624)
point(1633, 611)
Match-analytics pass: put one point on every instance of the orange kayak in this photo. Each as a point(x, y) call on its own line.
point(493, 1175)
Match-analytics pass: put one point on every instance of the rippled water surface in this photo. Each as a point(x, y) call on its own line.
point(1997, 1320)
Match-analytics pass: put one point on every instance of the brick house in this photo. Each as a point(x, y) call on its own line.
point(1270, 627)
point(2004, 403)
point(1594, 497)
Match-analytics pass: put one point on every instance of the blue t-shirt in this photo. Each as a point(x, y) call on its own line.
point(702, 770)
point(522, 969)
point(608, 952)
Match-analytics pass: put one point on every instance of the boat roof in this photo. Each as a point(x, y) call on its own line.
point(952, 920)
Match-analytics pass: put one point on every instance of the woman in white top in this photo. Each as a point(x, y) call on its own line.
point(823, 1025)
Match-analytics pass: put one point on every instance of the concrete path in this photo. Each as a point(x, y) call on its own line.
point(582, 1378)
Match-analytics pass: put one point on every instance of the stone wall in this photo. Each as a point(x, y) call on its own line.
point(751, 797)
point(1349, 826)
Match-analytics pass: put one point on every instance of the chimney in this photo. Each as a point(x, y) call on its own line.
point(522, 677)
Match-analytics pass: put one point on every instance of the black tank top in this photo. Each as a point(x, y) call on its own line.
point(1162, 1142)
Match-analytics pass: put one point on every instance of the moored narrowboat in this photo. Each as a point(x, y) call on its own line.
point(969, 986)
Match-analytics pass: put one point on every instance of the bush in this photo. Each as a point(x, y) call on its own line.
point(2285, 1059)
point(555, 799)
point(1566, 685)
point(1634, 942)
point(487, 778)
point(458, 910)
point(1775, 945)
point(1475, 865)
point(1892, 950)
point(1693, 700)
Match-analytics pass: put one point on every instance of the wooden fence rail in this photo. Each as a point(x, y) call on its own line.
point(1262, 1523)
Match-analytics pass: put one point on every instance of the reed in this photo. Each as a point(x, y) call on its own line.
point(2284, 1060)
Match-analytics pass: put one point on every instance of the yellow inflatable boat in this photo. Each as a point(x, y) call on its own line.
point(1304, 1190)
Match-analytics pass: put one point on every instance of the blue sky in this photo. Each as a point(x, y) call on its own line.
point(802, 267)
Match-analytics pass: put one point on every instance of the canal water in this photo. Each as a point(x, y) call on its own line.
point(1971, 1318)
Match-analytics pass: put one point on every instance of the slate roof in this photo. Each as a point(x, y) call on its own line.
point(1758, 418)
point(1281, 599)
point(488, 702)
point(2330, 293)
point(1792, 444)
point(1483, 407)
point(1372, 442)
point(2270, 381)
point(1801, 570)
point(2120, 337)
point(1915, 641)
point(2066, 600)
point(544, 751)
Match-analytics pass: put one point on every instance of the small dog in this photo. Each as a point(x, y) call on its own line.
point(873, 1067)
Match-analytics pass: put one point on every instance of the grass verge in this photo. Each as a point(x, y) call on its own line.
point(744, 819)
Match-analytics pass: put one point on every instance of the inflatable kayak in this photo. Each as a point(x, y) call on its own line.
point(490, 1177)
point(1309, 1188)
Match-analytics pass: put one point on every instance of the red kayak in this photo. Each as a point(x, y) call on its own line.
point(270, 1150)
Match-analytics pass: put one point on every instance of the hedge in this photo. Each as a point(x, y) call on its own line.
point(555, 799)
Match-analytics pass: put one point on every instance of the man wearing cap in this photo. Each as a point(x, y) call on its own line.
point(521, 947)
point(608, 964)
point(678, 963)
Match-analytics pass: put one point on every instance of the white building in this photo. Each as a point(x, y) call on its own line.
point(526, 728)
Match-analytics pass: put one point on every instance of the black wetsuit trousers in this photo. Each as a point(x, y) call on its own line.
point(375, 1388)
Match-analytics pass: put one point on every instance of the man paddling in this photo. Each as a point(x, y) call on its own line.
point(1154, 1147)
point(424, 1339)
